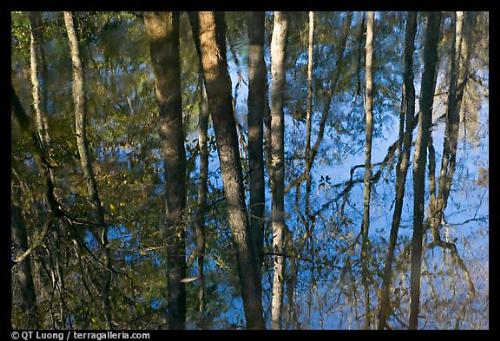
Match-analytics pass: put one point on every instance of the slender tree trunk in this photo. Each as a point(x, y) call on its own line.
point(209, 33)
point(367, 177)
point(314, 149)
point(408, 110)
point(458, 70)
point(202, 198)
point(83, 151)
point(24, 276)
point(309, 110)
point(459, 60)
point(292, 278)
point(162, 29)
point(256, 109)
point(337, 71)
point(38, 73)
point(278, 46)
point(38, 68)
point(267, 132)
point(420, 157)
point(360, 56)
point(291, 285)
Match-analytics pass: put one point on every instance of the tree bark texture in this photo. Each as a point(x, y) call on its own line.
point(209, 33)
point(278, 59)
point(256, 109)
point(38, 76)
point(162, 29)
point(367, 176)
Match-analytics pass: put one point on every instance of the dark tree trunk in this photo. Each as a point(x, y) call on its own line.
point(209, 33)
point(202, 198)
point(162, 29)
point(256, 109)
point(85, 160)
point(360, 56)
point(408, 111)
point(267, 131)
point(420, 157)
point(24, 275)
point(309, 111)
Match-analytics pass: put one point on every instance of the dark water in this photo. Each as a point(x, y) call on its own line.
point(329, 292)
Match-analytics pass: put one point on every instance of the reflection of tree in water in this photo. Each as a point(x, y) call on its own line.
point(327, 284)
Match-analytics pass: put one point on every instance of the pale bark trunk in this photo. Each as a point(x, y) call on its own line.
point(38, 76)
point(420, 157)
point(368, 152)
point(256, 108)
point(408, 110)
point(339, 65)
point(337, 71)
point(162, 29)
point(458, 71)
point(459, 60)
point(463, 77)
point(277, 151)
point(85, 161)
point(209, 33)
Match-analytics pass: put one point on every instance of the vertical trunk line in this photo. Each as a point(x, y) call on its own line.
point(202, 198)
point(408, 110)
point(309, 109)
point(162, 29)
point(256, 109)
point(458, 70)
point(367, 175)
point(209, 32)
point(83, 150)
point(420, 157)
point(278, 60)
